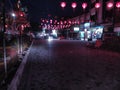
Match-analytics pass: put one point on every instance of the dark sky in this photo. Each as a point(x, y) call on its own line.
point(42, 8)
point(38, 9)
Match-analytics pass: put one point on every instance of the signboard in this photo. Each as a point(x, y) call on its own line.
point(76, 29)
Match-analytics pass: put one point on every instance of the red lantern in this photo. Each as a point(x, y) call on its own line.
point(51, 21)
point(84, 5)
point(43, 20)
point(74, 5)
point(6, 25)
point(21, 15)
point(69, 22)
point(110, 4)
point(97, 5)
point(63, 4)
point(118, 4)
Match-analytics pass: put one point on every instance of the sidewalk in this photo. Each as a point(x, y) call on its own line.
point(13, 62)
point(114, 47)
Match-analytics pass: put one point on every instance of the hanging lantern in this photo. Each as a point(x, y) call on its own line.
point(118, 4)
point(69, 22)
point(63, 4)
point(51, 21)
point(74, 5)
point(97, 5)
point(84, 5)
point(109, 5)
point(65, 22)
point(43, 20)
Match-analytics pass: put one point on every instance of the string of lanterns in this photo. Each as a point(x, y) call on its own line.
point(50, 24)
point(84, 5)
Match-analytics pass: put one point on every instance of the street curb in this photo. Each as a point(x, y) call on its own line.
point(16, 80)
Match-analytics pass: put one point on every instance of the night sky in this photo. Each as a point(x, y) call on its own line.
point(49, 9)
point(43, 8)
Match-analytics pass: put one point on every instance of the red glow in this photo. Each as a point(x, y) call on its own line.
point(61, 22)
point(43, 20)
point(6, 26)
point(118, 4)
point(65, 22)
point(84, 5)
point(109, 4)
point(97, 5)
point(69, 22)
point(63, 4)
point(47, 21)
point(21, 14)
point(51, 21)
point(74, 5)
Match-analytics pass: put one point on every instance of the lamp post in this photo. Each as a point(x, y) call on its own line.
point(15, 28)
point(13, 22)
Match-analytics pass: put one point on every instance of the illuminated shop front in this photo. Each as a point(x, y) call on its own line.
point(96, 32)
point(89, 32)
point(84, 31)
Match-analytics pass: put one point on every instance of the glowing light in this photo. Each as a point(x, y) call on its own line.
point(61, 22)
point(97, 5)
point(74, 5)
point(13, 14)
point(43, 20)
point(118, 4)
point(51, 21)
point(63, 4)
point(109, 4)
point(50, 38)
point(21, 15)
point(6, 26)
point(65, 22)
point(84, 5)
point(76, 29)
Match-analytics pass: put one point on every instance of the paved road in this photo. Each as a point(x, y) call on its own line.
point(69, 65)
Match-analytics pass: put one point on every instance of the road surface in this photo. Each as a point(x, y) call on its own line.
point(69, 65)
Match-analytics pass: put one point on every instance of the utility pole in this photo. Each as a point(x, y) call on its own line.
point(4, 42)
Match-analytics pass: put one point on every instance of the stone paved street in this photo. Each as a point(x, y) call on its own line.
point(69, 65)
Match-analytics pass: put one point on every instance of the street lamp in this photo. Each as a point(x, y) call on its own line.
point(14, 27)
point(13, 14)
point(13, 23)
